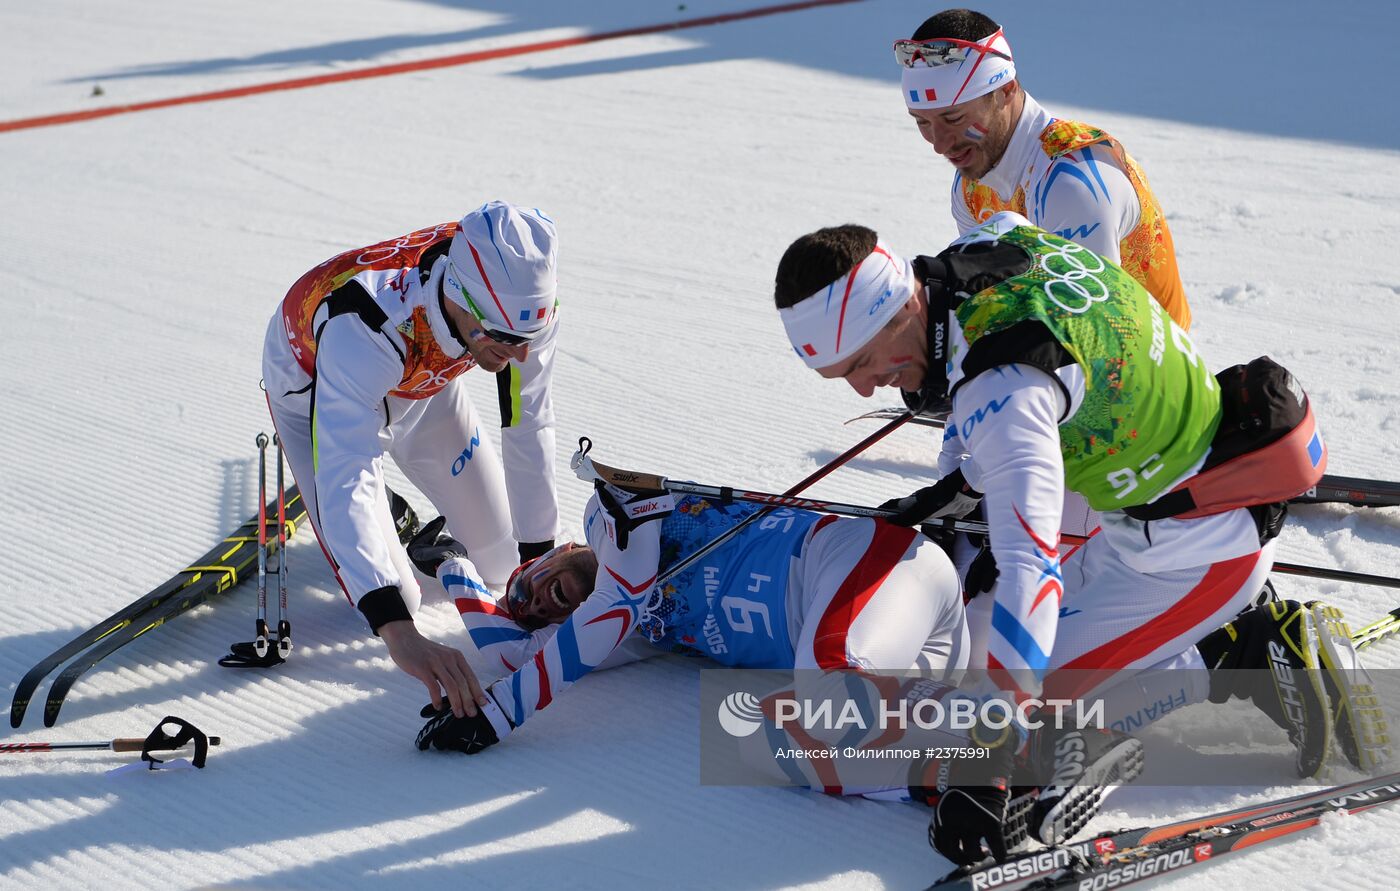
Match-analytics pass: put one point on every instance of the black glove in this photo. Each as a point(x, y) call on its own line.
point(982, 572)
point(949, 497)
point(529, 550)
point(431, 546)
point(972, 806)
point(449, 733)
point(405, 518)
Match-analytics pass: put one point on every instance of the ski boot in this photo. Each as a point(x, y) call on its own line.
point(1076, 768)
point(1269, 656)
point(1358, 720)
point(1065, 774)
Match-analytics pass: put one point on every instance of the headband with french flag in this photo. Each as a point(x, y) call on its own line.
point(832, 324)
point(986, 65)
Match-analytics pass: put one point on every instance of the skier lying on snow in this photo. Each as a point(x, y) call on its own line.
point(794, 590)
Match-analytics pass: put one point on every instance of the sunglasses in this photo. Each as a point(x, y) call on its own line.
point(943, 51)
point(518, 594)
point(518, 599)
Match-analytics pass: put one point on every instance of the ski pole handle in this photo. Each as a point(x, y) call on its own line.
point(136, 745)
point(588, 470)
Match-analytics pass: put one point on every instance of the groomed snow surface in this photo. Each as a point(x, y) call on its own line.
point(141, 256)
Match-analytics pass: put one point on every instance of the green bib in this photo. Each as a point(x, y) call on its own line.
point(1150, 406)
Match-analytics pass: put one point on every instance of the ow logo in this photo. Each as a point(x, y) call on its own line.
point(461, 463)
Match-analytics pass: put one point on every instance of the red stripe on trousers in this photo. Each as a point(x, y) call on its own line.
point(1215, 589)
point(886, 547)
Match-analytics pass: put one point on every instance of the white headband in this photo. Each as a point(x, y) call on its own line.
point(941, 86)
point(838, 320)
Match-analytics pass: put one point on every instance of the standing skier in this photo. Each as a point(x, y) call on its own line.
point(1060, 371)
point(1067, 177)
point(364, 357)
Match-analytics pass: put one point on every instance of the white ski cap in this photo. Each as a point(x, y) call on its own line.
point(503, 268)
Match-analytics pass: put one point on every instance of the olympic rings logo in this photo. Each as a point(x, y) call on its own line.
point(1074, 284)
point(382, 252)
point(435, 378)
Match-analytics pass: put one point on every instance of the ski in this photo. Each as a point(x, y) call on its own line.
point(1351, 490)
point(1384, 627)
point(217, 571)
point(1115, 859)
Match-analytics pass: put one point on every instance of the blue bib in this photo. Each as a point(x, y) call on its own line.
point(732, 605)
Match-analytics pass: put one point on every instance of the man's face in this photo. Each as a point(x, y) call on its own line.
point(971, 135)
point(557, 583)
point(895, 357)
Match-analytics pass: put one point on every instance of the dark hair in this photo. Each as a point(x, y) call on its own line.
point(814, 261)
point(959, 24)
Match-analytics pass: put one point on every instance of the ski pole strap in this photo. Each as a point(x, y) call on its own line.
point(160, 741)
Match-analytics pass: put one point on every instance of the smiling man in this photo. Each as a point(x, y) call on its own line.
point(1071, 178)
point(796, 589)
point(364, 358)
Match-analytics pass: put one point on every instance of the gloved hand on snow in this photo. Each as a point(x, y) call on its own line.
point(447, 732)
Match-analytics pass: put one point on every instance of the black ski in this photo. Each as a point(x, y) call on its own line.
point(1350, 490)
point(1120, 858)
point(217, 571)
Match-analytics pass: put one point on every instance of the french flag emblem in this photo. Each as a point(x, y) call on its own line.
point(539, 314)
point(929, 95)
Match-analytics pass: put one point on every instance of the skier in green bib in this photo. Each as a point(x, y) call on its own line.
point(1060, 371)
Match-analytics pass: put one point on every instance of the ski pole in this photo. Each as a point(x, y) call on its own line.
point(581, 464)
point(1331, 489)
point(126, 744)
point(260, 630)
point(158, 740)
point(284, 624)
point(629, 479)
